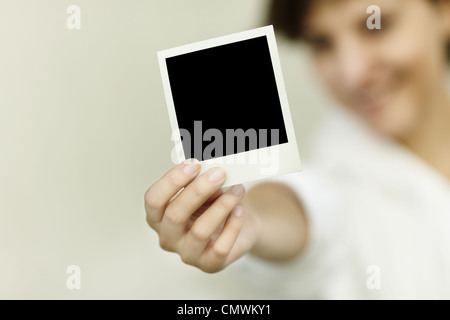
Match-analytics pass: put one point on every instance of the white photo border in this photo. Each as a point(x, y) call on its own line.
point(288, 159)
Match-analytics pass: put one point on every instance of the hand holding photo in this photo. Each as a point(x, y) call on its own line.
point(228, 106)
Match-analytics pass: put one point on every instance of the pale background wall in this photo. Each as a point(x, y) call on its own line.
point(84, 131)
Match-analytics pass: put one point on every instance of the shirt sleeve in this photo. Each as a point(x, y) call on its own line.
point(308, 275)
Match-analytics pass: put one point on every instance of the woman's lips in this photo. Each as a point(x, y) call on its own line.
point(371, 104)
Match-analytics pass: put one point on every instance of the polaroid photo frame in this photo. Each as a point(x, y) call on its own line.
point(228, 106)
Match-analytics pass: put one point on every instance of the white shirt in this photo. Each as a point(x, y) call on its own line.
point(379, 218)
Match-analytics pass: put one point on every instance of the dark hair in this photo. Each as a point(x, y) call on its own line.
point(286, 17)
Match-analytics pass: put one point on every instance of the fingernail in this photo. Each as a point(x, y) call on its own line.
point(237, 211)
point(216, 174)
point(238, 190)
point(190, 166)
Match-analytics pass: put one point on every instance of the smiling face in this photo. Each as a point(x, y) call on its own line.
point(389, 77)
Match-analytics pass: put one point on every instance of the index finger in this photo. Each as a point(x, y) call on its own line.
point(160, 193)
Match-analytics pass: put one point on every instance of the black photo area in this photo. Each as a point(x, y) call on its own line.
point(231, 86)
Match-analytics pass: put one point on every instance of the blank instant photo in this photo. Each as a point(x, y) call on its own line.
point(228, 106)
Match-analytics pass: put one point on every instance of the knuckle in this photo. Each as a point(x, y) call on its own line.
point(199, 234)
point(173, 180)
point(187, 259)
point(226, 202)
point(198, 189)
point(234, 226)
point(172, 216)
point(211, 268)
point(219, 252)
point(151, 201)
point(165, 244)
point(149, 221)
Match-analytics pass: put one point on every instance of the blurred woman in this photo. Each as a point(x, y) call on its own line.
point(369, 215)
